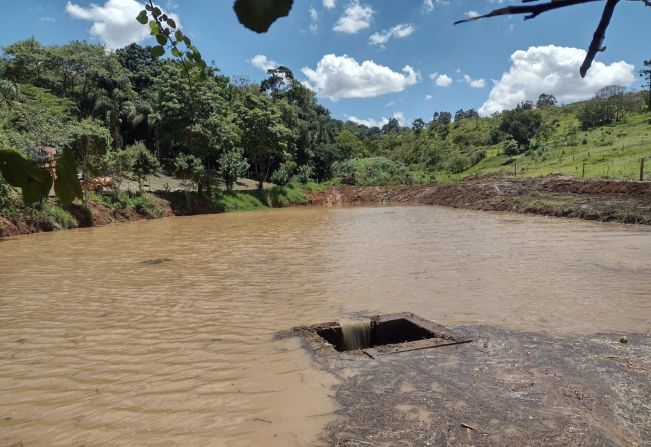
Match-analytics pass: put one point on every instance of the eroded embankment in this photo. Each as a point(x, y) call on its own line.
point(505, 388)
point(603, 200)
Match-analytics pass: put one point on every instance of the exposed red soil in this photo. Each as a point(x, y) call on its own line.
point(604, 200)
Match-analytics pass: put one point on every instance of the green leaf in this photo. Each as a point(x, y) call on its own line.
point(258, 15)
point(187, 41)
point(178, 35)
point(34, 182)
point(156, 11)
point(142, 17)
point(171, 22)
point(66, 185)
point(157, 51)
point(176, 53)
point(161, 38)
point(154, 28)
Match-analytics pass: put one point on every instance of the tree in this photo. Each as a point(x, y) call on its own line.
point(608, 105)
point(418, 125)
point(89, 140)
point(392, 126)
point(144, 164)
point(522, 123)
point(444, 118)
point(350, 146)
point(116, 165)
point(141, 66)
point(645, 73)
point(545, 100)
point(264, 136)
point(189, 169)
point(232, 165)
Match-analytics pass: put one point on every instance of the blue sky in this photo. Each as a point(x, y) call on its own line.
point(373, 59)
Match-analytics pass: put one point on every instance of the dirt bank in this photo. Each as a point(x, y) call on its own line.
point(504, 388)
point(24, 222)
point(603, 200)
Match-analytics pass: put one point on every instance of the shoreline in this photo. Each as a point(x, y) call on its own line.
point(555, 196)
point(602, 200)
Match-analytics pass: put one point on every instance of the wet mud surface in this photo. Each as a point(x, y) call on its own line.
point(504, 388)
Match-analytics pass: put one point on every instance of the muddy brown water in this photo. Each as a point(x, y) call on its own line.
point(160, 333)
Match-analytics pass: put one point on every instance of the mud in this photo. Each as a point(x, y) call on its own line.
point(602, 200)
point(505, 388)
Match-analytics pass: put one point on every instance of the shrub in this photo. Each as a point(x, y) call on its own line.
point(370, 171)
point(52, 216)
point(5, 195)
point(125, 202)
point(188, 168)
point(511, 147)
point(232, 165)
point(280, 176)
point(144, 163)
point(304, 174)
point(116, 165)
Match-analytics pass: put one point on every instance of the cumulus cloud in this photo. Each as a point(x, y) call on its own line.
point(441, 80)
point(262, 62)
point(396, 32)
point(474, 83)
point(329, 4)
point(356, 17)
point(370, 122)
point(114, 22)
point(337, 77)
point(553, 70)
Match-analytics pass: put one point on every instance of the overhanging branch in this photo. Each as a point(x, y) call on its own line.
point(532, 11)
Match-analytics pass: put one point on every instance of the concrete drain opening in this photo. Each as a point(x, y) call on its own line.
point(382, 334)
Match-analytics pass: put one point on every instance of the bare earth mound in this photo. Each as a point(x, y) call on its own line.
point(603, 200)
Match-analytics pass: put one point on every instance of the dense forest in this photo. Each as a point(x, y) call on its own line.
point(127, 116)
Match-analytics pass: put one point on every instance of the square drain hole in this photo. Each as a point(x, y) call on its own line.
point(382, 334)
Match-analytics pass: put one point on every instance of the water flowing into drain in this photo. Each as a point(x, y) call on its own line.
point(356, 335)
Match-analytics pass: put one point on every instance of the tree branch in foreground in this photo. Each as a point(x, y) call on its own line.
point(533, 11)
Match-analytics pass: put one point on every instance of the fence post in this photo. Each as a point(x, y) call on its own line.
point(583, 171)
point(641, 169)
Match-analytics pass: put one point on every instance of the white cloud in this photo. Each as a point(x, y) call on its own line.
point(370, 122)
point(339, 77)
point(553, 70)
point(474, 83)
point(329, 4)
point(314, 21)
point(441, 80)
point(396, 32)
point(262, 62)
point(47, 19)
point(114, 22)
point(471, 14)
point(428, 5)
point(356, 17)
point(428, 97)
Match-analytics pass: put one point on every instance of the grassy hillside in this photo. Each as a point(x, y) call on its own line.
point(476, 146)
point(611, 151)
